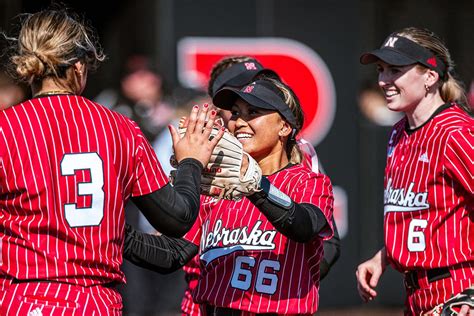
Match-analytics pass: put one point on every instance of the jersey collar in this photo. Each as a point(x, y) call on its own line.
point(443, 107)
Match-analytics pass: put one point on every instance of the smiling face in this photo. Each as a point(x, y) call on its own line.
point(403, 86)
point(258, 130)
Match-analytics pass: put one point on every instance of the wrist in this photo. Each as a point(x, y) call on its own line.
point(191, 161)
point(383, 258)
point(273, 194)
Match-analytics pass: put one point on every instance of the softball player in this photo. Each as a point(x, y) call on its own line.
point(67, 168)
point(237, 71)
point(261, 254)
point(429, 188)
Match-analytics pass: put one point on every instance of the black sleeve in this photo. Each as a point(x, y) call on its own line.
point(161, 254)
point(332, 251)
point(298, 221)
point(172, 210)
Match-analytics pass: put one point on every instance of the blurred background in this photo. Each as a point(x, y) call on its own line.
point(159, 56)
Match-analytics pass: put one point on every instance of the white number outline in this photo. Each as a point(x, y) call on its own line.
point(85, 216)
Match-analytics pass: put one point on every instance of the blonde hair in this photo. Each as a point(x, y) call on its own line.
point(49, 43)
point(451, 89)
point(293, 151)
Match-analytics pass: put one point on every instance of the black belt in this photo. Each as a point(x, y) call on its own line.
point(209, 310)
point(411, 277)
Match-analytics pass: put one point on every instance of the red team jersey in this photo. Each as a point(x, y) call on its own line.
point(191, 269)
point(67, 168)
point(247, 264)
point(429, 201)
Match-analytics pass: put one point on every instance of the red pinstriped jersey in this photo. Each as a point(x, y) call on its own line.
point(429, 192)
point(191, 269)
point(67, 168)
point(247, 264)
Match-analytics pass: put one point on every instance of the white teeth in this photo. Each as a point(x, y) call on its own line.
point(243, 135)
point(390, 93)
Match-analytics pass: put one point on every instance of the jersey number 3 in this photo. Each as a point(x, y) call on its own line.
point(86, 216)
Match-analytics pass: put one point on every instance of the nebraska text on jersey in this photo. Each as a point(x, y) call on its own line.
point(247, 264)
point(399, 200)
point(223, 241)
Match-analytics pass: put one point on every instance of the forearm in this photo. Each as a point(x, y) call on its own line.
point(172, 210)
point(298, 221)
point(332, 251)
point(157, 253)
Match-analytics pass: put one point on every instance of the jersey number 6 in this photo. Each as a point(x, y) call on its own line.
point(266, 282)
point(87, 216)
point(416, 238)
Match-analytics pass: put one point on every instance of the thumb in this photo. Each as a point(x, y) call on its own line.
point(374, 280)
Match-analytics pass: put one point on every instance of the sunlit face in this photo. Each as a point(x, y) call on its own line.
point(257, 129)
point(403, 86)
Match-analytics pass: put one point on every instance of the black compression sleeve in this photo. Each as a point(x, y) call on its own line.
point(172, 210)
point(332, 251)
point(300, 222)
point(157, 253)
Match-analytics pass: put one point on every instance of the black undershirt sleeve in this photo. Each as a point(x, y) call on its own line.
point(172, 210)
point(161, 254)
point(300, 222)
point(332, 251)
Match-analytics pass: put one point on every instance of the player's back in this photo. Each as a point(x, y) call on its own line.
point(68, 166)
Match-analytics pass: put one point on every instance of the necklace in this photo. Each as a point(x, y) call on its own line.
point(53, 92)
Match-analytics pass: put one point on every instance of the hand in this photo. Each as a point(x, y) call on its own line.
point(196, 143)
point(460, 304)
point(466, 310)
point(368, 274)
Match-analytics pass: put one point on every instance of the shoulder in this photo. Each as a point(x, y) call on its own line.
point(105, 110)
point(120, 118)
point(300, 173)
point(25, 104)
point(13, 115)
point(454, 119)
point(120, 123)
point(397, 131)
point(400, 125)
